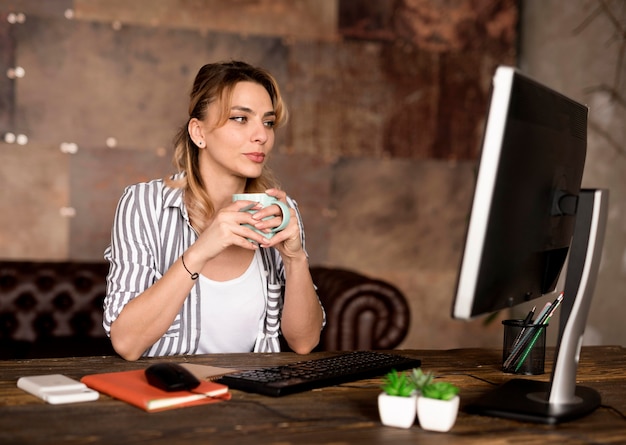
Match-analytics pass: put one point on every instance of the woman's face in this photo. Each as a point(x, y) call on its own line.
point(239, 147)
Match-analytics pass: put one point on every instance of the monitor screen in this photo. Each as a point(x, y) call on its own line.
point(528, 216)
point(524, 207)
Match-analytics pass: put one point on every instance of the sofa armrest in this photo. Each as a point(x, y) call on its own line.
point(361, 313)
point(52, 309)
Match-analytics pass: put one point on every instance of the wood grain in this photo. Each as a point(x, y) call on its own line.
point(341, 414)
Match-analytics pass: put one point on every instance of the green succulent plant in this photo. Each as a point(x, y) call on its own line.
point(404, 384)
point(420, 379)
point(440, 391)
point(398, 384)
point(423, 382)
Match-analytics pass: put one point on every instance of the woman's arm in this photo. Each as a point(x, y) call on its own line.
point(141, 304)
point(148, 316)
point(302, 317)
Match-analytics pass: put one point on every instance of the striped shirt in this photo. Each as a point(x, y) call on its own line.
point(151, 231)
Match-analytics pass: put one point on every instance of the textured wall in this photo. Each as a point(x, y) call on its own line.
point(581, 50)
point(387, 100)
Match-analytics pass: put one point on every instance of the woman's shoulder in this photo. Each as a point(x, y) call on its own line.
point(158, 184)
point(145, 189)
point(153, 190)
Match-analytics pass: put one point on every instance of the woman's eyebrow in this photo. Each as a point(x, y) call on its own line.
point(250, 111)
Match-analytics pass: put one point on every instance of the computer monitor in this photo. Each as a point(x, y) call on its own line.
point(529, 218)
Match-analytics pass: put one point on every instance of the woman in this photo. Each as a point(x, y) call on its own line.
point(186, 277)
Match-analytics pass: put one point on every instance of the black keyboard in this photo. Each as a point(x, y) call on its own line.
point(317, 373)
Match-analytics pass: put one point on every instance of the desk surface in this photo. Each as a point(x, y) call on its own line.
point(341, 414)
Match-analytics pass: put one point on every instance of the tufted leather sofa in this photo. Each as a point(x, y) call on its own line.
point(361, 313)
point(54, 309)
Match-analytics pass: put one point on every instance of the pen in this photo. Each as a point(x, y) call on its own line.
point(547, 310)
point(526, 321)
point(528, 349)
point(553, 308)
point(524, 337)
point(530, 315)
point(543, 312)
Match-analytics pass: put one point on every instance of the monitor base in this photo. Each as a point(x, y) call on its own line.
point(526, 400)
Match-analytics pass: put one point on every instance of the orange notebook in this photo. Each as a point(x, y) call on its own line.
point(132, 387)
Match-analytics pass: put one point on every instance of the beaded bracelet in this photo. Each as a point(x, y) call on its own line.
point(194, 275)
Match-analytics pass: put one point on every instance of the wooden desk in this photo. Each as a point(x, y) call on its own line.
point(344, 414)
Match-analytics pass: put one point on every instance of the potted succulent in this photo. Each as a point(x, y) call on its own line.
point(438, 406)
point(420, 379)
point(397, 403)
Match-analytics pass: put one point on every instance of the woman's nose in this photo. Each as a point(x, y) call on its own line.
point(260, 133)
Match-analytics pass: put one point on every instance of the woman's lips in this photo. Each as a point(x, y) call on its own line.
point(256, 157)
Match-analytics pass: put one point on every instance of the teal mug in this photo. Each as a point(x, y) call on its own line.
point(265, 200)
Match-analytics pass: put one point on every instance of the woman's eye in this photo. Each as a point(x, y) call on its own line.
point(244, 119)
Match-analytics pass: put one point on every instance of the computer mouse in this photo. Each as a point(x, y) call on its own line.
point(171, 377)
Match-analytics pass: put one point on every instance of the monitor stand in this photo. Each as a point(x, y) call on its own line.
point(561, 399)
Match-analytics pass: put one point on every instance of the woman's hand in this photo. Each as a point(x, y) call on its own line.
point(227, 229)
point(287, 241)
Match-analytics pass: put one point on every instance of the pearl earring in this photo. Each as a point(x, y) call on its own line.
point(200, 143)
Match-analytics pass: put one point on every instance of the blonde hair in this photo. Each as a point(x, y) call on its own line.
point(215, 82)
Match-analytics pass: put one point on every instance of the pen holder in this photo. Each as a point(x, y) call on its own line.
point(524, 350)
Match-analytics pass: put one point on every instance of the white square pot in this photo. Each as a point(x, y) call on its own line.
point(397, 411)
point(437, 415)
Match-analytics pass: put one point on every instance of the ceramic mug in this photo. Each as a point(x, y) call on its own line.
point(265, 200)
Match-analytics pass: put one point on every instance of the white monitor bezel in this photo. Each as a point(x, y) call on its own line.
point(483, 194)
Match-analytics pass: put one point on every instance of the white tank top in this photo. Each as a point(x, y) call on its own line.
point(232, 311)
